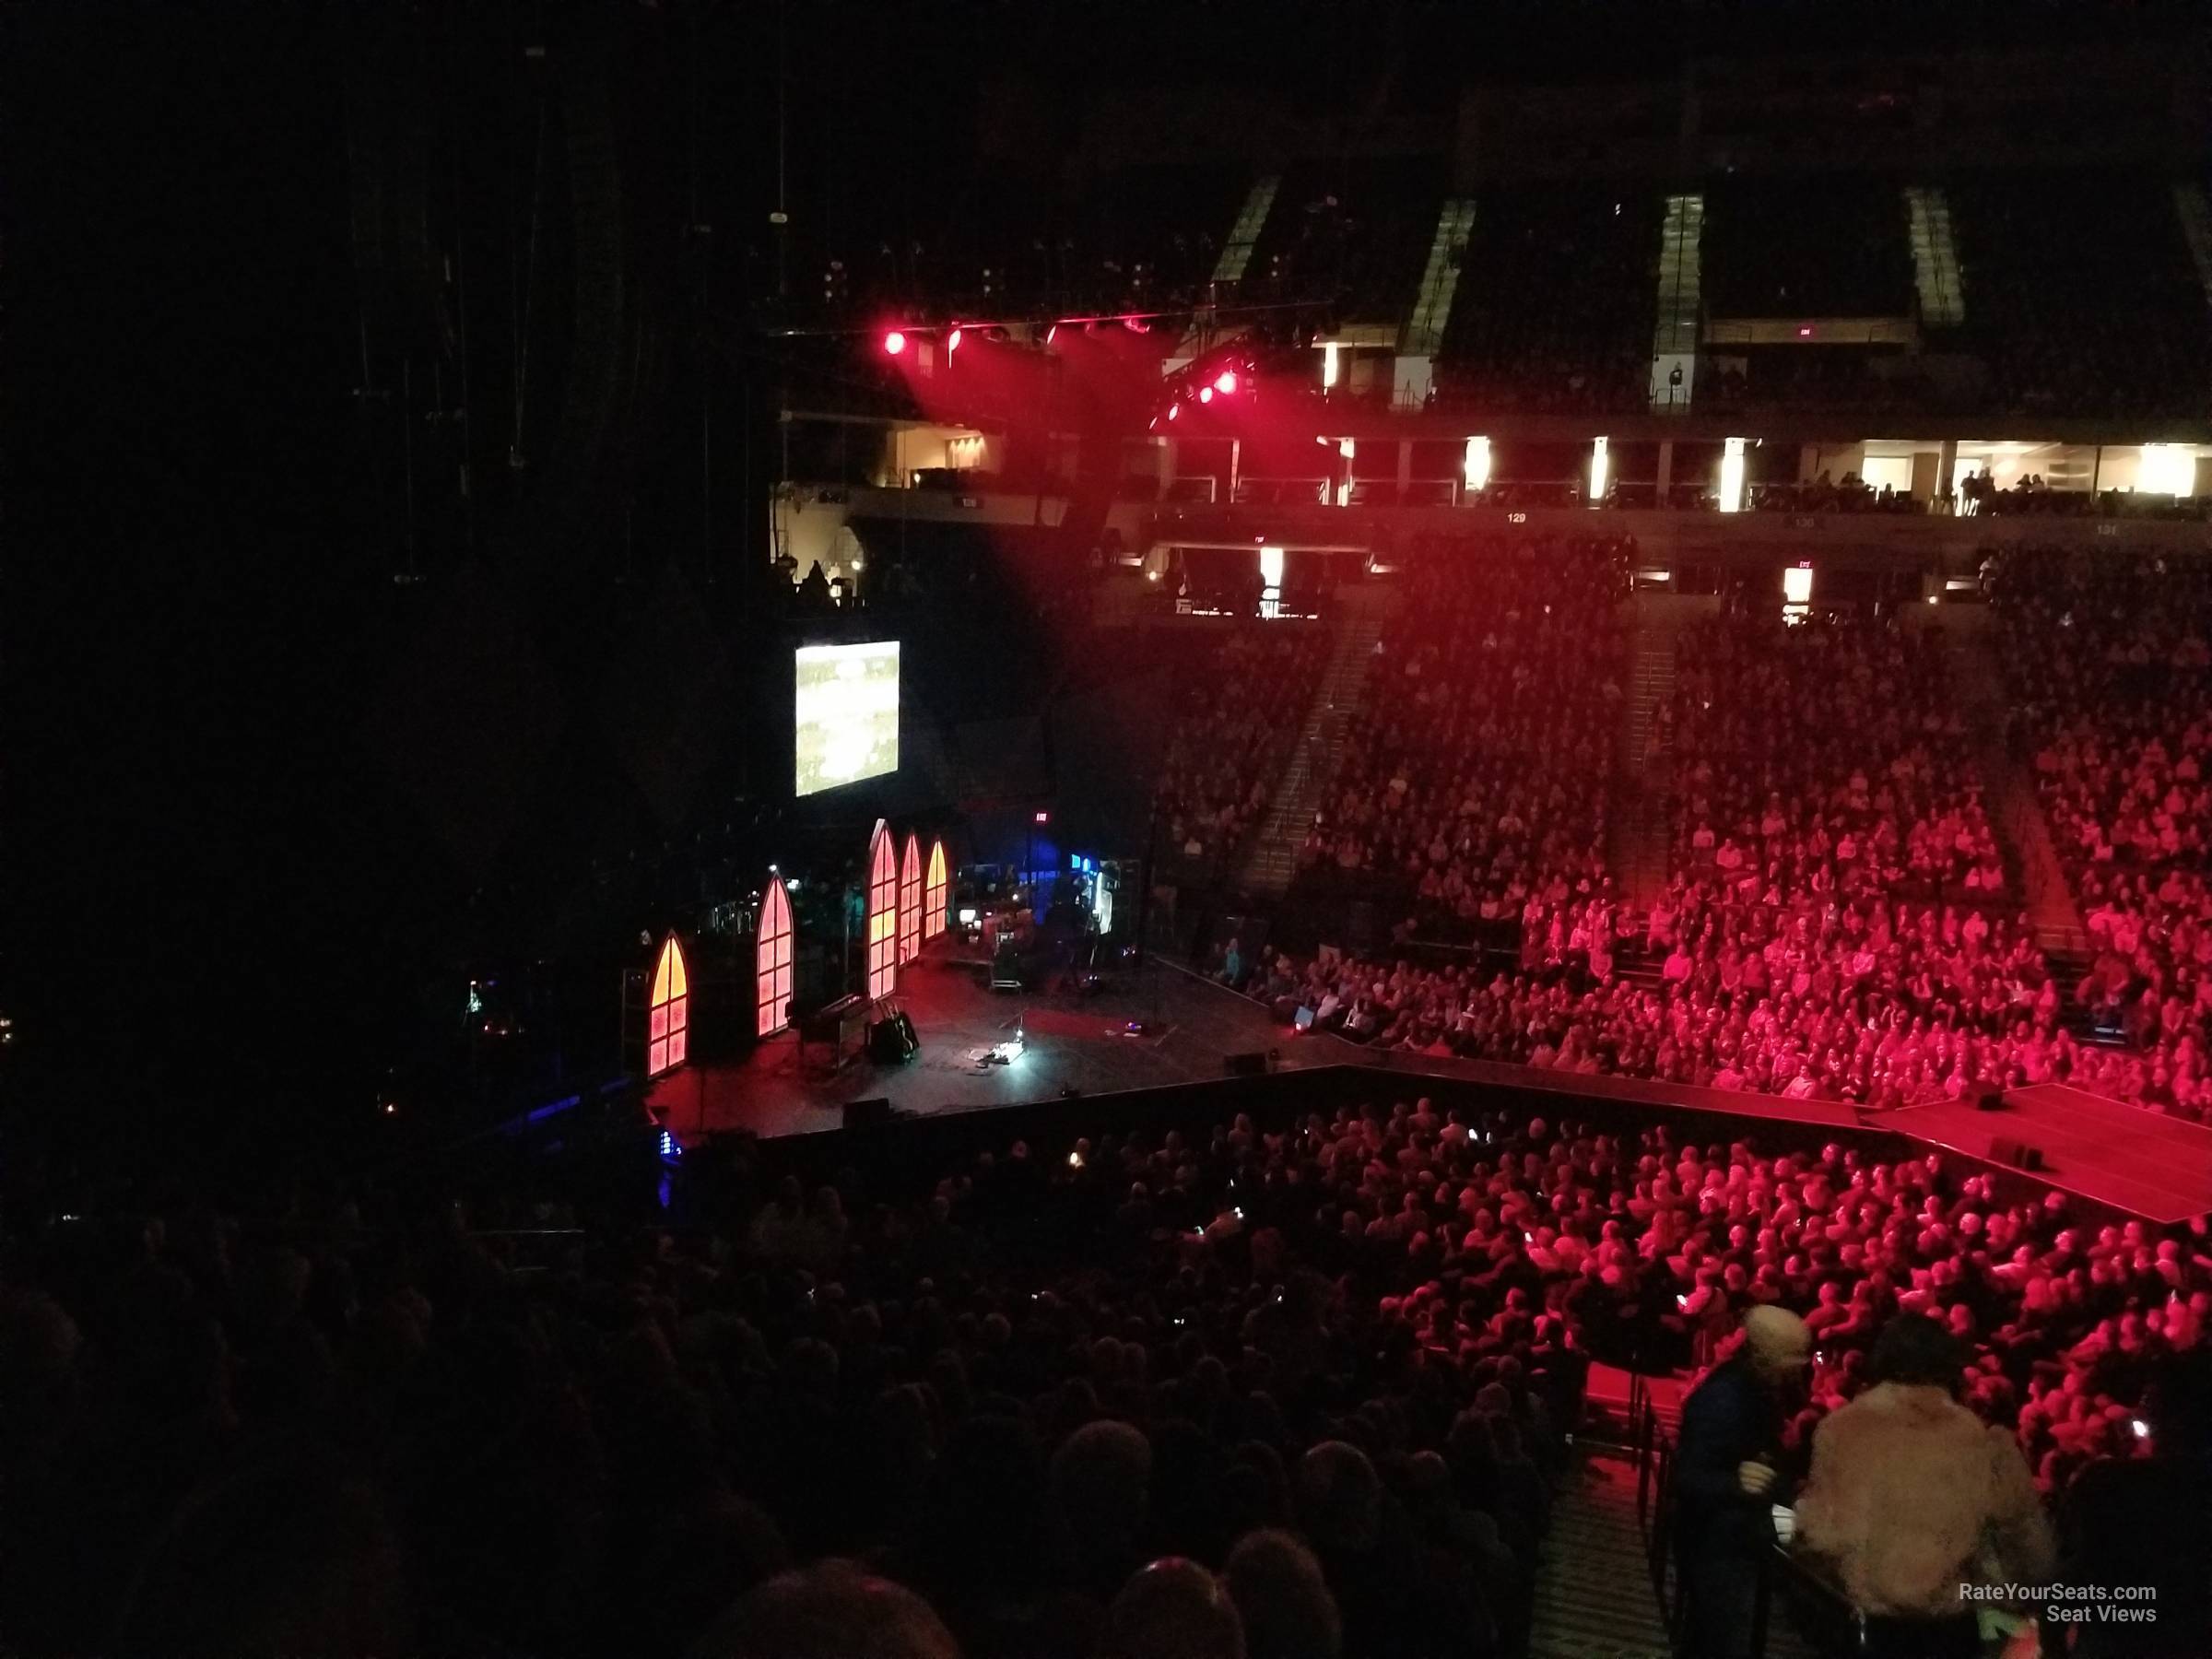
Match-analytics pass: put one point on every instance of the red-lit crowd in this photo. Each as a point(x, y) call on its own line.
point(1838, 922)
point(1476, 770)
point(1825, 758)
point(1239, 710)
point(1868, 1005)
point(2112, 700)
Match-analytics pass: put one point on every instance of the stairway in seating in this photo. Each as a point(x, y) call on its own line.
point(1640, 831)
point(2031, 864)
point(1244, 235)
point(2023, 834)
point(1236, 254)
point(1593, 1596)
point(1676, 335)
point(1936, 277)
point(1440, 282)
point(1593, 1590)
point(1272, 858)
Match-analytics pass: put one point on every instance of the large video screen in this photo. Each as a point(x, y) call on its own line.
point(847, 713)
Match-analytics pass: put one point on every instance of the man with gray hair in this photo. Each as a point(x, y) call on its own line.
point(1726, 1478)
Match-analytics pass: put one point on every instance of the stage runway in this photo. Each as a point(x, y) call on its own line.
point(2143, 1161)
point(1072, 1041)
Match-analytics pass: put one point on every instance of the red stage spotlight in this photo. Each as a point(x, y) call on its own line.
point(1051, 333)
point(1174, 410)
point(1206, 394)
point(893, 343)
point(1226, 381)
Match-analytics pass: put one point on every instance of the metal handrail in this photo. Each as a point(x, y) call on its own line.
point(1656, 1452)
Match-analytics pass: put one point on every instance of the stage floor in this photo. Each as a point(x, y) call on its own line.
point(2155, 1166)
point(1070, 1042)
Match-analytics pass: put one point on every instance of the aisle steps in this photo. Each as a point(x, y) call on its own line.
point(1641, 830)
point(1272, 858)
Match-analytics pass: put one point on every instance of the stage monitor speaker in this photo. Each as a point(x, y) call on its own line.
point(1254, 1065)
point(868, 1114)
point(1988, 1098)
point(891, 1042)
point(2017, 1154)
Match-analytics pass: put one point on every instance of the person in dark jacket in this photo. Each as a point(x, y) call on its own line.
point(1726, 1480)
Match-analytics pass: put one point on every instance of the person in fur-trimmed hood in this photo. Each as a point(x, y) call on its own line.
point(1912, 1497)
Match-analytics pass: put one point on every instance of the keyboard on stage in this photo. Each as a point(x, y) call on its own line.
point(842, 1026)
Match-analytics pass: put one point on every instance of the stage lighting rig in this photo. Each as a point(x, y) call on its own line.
point(1223, 380)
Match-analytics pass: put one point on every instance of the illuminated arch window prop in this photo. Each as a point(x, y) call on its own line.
point(771, 960)
point(909, 901)
point(668, 1018)
point(933, 893)
point(883, 912)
